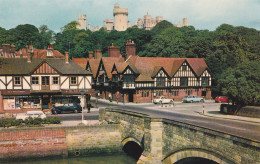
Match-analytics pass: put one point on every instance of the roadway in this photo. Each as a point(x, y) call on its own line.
point(182, 112)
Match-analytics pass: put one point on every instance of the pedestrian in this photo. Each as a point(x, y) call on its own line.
point(89, 106)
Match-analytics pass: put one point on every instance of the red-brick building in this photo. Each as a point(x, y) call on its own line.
point(141, 79)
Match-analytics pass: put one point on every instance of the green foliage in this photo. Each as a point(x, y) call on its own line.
point(241, 83)
point(8, 122)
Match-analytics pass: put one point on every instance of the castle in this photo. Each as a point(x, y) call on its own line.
point(121, 23)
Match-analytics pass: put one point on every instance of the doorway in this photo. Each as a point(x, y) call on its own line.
point(45, 82)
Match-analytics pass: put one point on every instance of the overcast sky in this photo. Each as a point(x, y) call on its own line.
point(202, 14)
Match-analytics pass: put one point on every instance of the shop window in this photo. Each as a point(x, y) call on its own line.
point(55, 80)
point(73, 80)
point(35, 80)
point(17, 80)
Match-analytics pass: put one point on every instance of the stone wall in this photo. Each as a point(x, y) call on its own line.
point(17, 144)
point(166, 141)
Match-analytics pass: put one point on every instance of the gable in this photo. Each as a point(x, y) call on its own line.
point(128, 70)
point(206, 73)
point(44, 68)
point(184, 70)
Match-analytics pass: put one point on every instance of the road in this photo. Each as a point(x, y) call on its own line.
point(185, 113)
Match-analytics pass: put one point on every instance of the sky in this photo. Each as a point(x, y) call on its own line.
point(202, 14)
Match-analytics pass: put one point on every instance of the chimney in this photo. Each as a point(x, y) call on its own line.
point(90, 54)
point(29, 58)
point(130, 48)
point(6, 48)
point(12, 48)
point(67, 57)
point(113, 51)
point(50, 51)
point(98, 54)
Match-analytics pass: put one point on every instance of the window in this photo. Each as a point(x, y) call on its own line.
point(17, 80)
point(35, 80)
point(55, 80)
point(129, 78)
point(73, 80)
point(160, 82)
point(189, 92)
point(205, 81)
point(183, 81)
point(184, 68)
point(115, 77)
point(175, 93)
point(145, 94)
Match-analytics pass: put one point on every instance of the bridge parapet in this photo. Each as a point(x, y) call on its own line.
point(168, 141)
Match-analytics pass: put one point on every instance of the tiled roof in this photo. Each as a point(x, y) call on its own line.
point(94, 63)
point(82, 62)
point(40, 53)
point(109, 63)
point(149, 66)
point(17, 66)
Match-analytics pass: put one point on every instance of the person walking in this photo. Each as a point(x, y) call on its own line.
point(89, 106)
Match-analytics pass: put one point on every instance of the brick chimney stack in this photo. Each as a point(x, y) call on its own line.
point(12, 48)
point(29, 57)
point(90, 54)
point(113, 51)
point(6, 48)
point(98, 54)
point(67, 57)
point(130, 48)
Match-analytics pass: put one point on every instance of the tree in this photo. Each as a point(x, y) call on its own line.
point(242, 83)
point(71, 26)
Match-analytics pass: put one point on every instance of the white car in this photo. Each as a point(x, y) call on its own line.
point(162, 100)
point(33, 114)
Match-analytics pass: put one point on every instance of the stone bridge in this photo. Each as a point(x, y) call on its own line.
point(165, 141)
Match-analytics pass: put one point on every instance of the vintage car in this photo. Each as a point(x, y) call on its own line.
point(221, 99)
point(162, 100)
point(71, 107)
point(32, 114)
point(192, 99)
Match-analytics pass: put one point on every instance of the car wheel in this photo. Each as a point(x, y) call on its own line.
point(76, 111)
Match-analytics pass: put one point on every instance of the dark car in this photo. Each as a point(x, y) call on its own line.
point(72, 107)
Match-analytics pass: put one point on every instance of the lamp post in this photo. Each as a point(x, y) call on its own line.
point(82, 103)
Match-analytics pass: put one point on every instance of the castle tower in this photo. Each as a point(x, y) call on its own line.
point(159, 19)
point(185, 22)
point(82, 19)
point(147, 22)
point(108, 24)
point(120, 18)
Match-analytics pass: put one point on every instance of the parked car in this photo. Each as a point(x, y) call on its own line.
point(221, 99)
point(162, 100)
point(192, 99)
point(71, 107)
point(32, 114)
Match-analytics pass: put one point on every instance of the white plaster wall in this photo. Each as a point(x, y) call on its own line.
point(81, 85)
point(66, 83)
point(25, 84)
point(2, 85)
point(10, 86)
